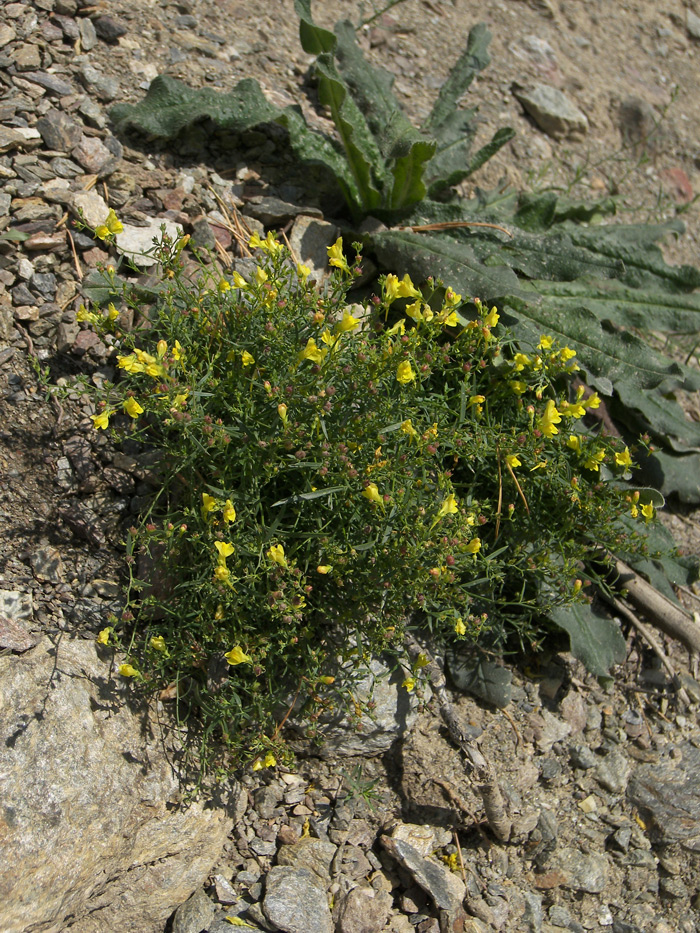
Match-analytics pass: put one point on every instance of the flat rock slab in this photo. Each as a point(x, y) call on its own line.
point(89, 826)
point(551, 110)
point(296, 901)
point(136, 242)
point(667, 794)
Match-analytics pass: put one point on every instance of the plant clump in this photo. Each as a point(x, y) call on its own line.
point(331, 473)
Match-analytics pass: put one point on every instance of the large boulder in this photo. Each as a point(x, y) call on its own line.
point(92, 834)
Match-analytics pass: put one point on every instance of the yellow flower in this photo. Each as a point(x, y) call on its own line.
point(404, 373)
point(477, 400)
point(391, 288)
point(566, 354)
point(415, 311)
point(161, 348)
point(225, 550)
point(594, 460)
point(624, 458)
point(180, 401)
point(158, 644)
point(452, 298)
point(222, 573)
point(132, 408)
point(223, 286)
point(112, 313)
point(312, 352)
point(513, 461)
point(131, 364)
point(451, 320)
point(448, 507)
point(574, 443)
point(229, 512)
point(593, 401)
point(282, 412)
point(409, 684)
point(269, 760)
point(492, 318)
point(474, 546)
point(276, 555)
point(549, 418)
point(408, 428)
point(398, 328)
point(111, 226)
point(101, 421)
point(84, 315)
point(460, 627)
point(303, 271)
point(572, 409)
point(257, 766)
point(406, 288)
point(103, 637)
point(177, 351)
point(545, 343)
point(371, 492)
point(208, 503)
point(237, 656)
point(128, 670)
point(517, 386)
point(521, 360)
point(247, 358)
point(648, 511)
point(336, 257)
point(328, 338)
point(324, 568)
point(238, 280)
point(348, 323)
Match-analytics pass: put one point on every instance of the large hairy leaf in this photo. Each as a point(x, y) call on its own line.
point(314, 39)
point(594, 637)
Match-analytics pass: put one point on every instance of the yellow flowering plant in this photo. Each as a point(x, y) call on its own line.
point(333, 472)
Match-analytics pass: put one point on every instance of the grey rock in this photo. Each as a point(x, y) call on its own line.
point(224, 890)
point(88, 34)
point(65, 168)
point(47, 564)
point(263, 848)
point(548, 729)
point(68, 25)
point(194, 915)
point(667, 794)
point(109, 29)
point(101, 85)
point(582, 872)
point(272, 211)
point(612, 772)
point(66, 335)
point(310, 239)
point(50, 82)
point(638, 122)
point(583, 757)
point(533, 913)
point(93, 113)
point(672, 888)
point(202, 234)
point(92, 206)
point(314, 855)
point(134, 242)
point(15, 635)
point(26, 57)
point(16, 605)
point(296, 902)
point(692, 24)
point(94, 156)
point(551, 110)
point(393, 713)
point(364, 910)
point(266, 799)
point(445, 889)
point(86, 781)
point(44, 283)
point(21, 295)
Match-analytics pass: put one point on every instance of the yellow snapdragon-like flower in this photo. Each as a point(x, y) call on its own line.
point(347, 323)
point(371, 492)
point(303, 271)
point(336, 257)
point(545, 343)
point(229, 512)
point(237, 656)
point(247, 359)
point(391, 288)
point(398, 329)
point(406, 289)
point(521, 360)
point(277, 556)
point(110, 227)
point(158, 644)
point(101, 421)
point(474, 546)
point(131, 364)
point(132, 408)
point(648, 511)
point(224, 549)
point(208, 504)
point(409, 684)
point(594, 460)
point(312, 352)
point(513, 461)
point(460, 627)
point(550, 417)
point(492, 318)
point(624, 459)
point(103, 637)
point(324, 569)
point(404, 373)
point(407, 428)
point(128, 670)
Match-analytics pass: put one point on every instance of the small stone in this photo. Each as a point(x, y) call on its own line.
point(65, 168)
point(364, 910)
point(93, 113)
point(667, 794)
point(265, 800)
point(68, 26)
point(86, 340)
point(94, 156)
point(7, 34)
point(15, 636)
point(588, 804)
point(92, 206)
point(88, 34)
point(135, 242)
point(26, 57)
point(310, 239)
point(45, 284)
point(202, 234)
point(296, 902)
point(273, 212)
point(15, 605)
point(612, 772)
point(45, 241)
point(314, 855)
point(582, 757)
point(692, 24)
point(109, 29)
point(102, 86)
point(224, 890)
point(47, 565)
point(50, 82)
point(551, 110)
point(194, 915)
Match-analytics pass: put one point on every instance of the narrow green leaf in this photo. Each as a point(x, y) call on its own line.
point(594, 637)
point(364, 159)
point(472, 60)
point(314, 39)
